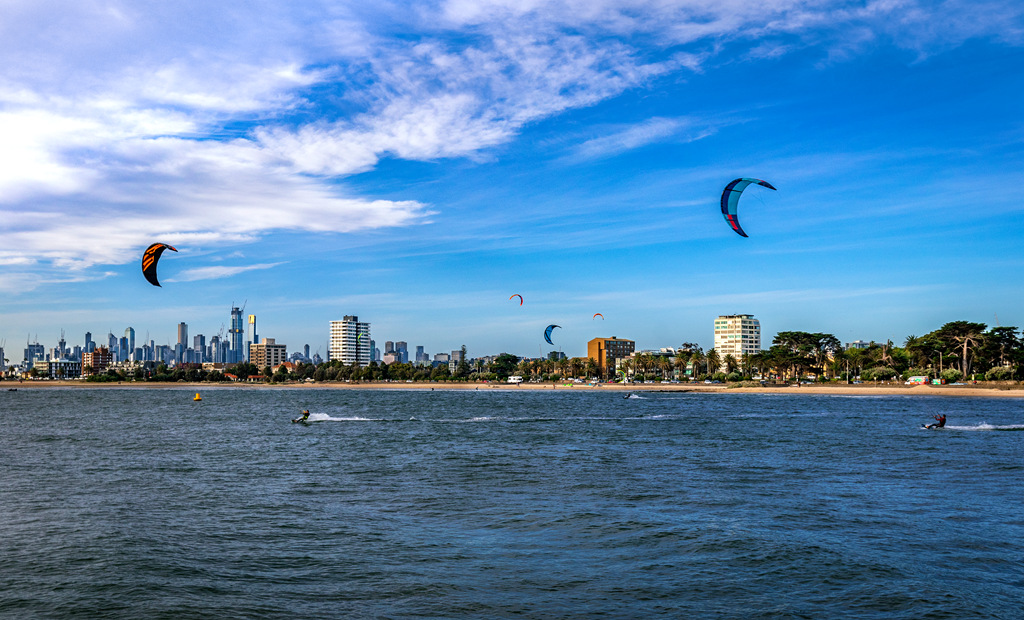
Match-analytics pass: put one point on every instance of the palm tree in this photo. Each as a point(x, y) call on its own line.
point(681, 361)
point(713, 361)
point(730, 363)
point(697, 359)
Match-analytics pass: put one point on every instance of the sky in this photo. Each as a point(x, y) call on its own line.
point(415, 164)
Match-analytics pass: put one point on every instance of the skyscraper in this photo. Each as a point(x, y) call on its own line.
point(89, 344)
point(402, 349)
point(130, 335)
point(252, 338)
point(237, 337)
point(199, 346)
point(350, 341)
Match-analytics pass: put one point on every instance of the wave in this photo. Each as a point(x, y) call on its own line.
point(987, 427)
point(323, 417)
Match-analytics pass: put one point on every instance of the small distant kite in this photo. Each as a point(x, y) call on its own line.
point(519, 296)
point(547, 333)
point(150, 258)
point(731, 198)
point(598, 315)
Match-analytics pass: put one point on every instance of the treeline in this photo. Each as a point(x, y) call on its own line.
point(955, 351)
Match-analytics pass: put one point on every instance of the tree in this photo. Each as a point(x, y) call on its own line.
point(967, 336)
point(504, 365)
point(730, 362)
point(714, 361)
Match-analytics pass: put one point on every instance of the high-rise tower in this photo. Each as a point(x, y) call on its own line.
point(237, 337)
point(736, 335)
point(350, 341)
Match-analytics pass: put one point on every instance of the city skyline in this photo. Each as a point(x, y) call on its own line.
point(417, 164)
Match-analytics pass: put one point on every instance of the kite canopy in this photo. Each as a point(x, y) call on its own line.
point(547, 332)
point(150, 258)
point(598, 315)
point(731, 199)
point(519, 296)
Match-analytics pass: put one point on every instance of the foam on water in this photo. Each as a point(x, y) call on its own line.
point(987, 427)
point(323, 417)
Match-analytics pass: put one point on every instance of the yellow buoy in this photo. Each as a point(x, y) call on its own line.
point(198, 397)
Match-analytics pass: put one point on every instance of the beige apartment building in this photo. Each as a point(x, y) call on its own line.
point(736, 335)
point(267, 353)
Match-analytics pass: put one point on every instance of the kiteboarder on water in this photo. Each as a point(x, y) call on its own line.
point(305, 416)
point(940, 421)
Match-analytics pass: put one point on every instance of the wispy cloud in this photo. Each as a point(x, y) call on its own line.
point(218, 271)
point(642, 134)
point(223, 122)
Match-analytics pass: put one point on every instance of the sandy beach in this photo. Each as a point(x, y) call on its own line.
point(892, 389)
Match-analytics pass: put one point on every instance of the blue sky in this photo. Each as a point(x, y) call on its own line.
point(416, 164)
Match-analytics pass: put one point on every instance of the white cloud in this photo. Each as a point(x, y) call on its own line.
point(218, 271)
point(221, 122)
point(641, 134)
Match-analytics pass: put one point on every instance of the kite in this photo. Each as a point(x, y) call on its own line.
point(598, 315)
point(150, 258)
point(519, 296)
point(731, 198)
point(547, 333)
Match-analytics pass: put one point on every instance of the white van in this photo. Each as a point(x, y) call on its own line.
point(515, 379)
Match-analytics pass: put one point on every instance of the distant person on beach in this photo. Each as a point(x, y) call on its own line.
point(940, 421)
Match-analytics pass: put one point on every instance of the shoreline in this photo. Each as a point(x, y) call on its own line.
point(983, 391)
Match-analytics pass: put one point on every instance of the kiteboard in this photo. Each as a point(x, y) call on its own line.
point(300, 420)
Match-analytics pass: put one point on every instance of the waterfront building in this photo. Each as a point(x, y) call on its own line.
point(737, 335)
point(60, 369)
point(267, 353)
point(605, 351)
point(98, 360)
point(350, 341)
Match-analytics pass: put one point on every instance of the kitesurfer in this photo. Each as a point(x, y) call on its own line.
point(304, 418)
point(940, 421)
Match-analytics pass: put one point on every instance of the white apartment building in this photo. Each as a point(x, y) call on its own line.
point(737, 334)
point(350, 342)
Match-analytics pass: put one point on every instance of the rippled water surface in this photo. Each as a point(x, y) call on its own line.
point(140, 503)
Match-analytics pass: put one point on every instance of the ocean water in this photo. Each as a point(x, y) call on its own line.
point(121, 503)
